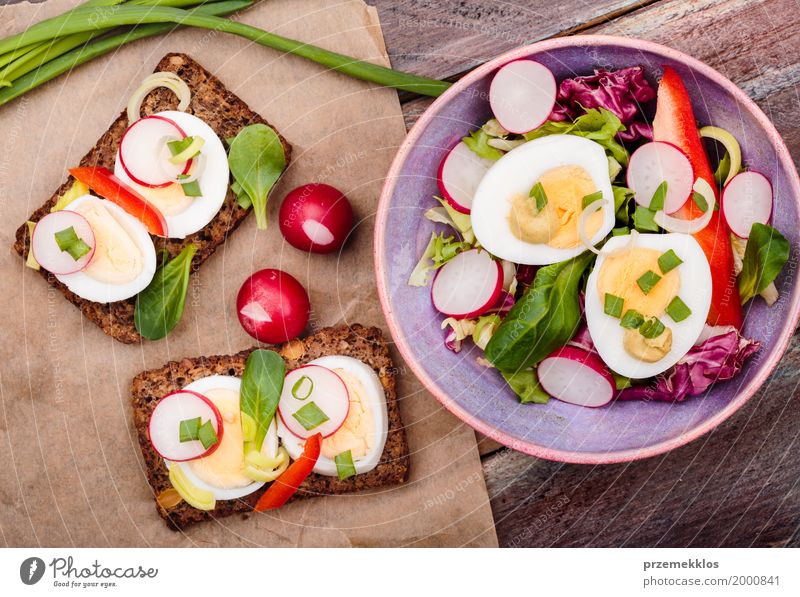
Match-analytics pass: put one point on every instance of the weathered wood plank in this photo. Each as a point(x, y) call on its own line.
point(441, 38)
point(737, 486)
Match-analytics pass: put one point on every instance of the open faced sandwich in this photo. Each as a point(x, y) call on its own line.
point(232, 434)
point(153, 200)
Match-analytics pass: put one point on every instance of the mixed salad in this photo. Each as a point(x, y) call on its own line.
point(593, 253)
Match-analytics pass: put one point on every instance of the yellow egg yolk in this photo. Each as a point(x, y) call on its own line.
point(117, 258)
point(357, 433)
point(565, 188)
point(170, 200)
point(224, 468)
point(619, 274)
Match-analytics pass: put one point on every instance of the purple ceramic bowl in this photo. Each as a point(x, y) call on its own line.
point(558, 431)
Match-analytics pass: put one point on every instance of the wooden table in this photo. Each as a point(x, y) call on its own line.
point(737, 486)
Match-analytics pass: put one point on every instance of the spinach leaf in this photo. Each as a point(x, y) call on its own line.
point(478, 142)
point(159, 307)
point(262, 384)
point(256, 160)
point(766, 253)
point(544, 319)
point(526, 386)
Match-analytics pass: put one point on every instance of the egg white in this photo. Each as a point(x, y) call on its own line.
point(695, 290)
point(377, 401)
point(515, 173)
point(93, 290)
point(213, 180)
point(269, 448)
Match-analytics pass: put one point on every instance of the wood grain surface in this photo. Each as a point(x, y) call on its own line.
point(736, 486)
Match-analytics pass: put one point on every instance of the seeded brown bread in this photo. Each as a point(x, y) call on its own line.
point(226, 114)
point(365, 344)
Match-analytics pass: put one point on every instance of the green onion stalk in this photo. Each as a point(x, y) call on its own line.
point(22, 61)
point(88, 31)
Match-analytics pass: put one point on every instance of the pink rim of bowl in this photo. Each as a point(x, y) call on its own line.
point(529, 447)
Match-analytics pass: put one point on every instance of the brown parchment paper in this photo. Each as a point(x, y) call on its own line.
point(71, 472)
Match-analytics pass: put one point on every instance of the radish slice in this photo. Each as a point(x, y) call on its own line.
point(657, 162)
point(143, 153)
point(314, 391)
point(46, 250)
point(467, 285)
point(746, 200)
point(459, 175)
point(164, 428)
point(576, 376)
point(522, 95)
point(672, 224)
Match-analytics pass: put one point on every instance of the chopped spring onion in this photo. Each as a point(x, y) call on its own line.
point(668, 261)
point(657, 202)
point(538, 194)
point(299, 391)
point(678, 310)
point(671, 224)
point(647, 281)
point(188, 428)
point(191, 188)
point(310, 416)
point(613, 305)
point(185, 149)
point(644, 219)
point(591, 198)
point(207, 435)
point(161, 79)
point(67, 240)
point(344, 465)
point(652, 328)
point(632, 319)
point(700, 201)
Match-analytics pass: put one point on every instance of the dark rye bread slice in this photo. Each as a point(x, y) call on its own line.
point(365, 344)
point(226, 114)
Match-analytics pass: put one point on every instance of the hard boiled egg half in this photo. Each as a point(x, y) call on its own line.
point(647, 301)
point(184, 214)
point(365, 424)
point(513, 220)
point(124, 259)
point(222, 472)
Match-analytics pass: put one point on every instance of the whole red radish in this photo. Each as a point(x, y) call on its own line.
point(272, 306)
point(316, 218)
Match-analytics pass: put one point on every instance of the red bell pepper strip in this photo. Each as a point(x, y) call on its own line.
point(675, 123)
point(286, 485)
point(103, 182)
